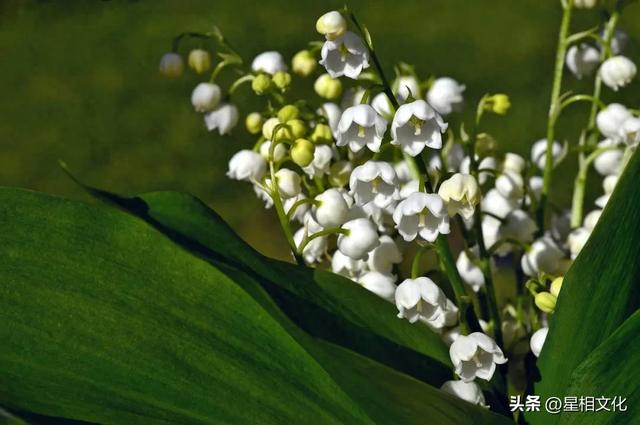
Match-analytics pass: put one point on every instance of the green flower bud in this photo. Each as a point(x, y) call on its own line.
point(556, 285)
point(327, 87)
point(339, 173)
point(304, 63)
point(282, 80)
point(298, 128)
point(254, 123)
point(199, 60)
point(322, 134)
point(288, 112)
point(498, 103)
point(302, 152)
point(546, 302)
point(261, 84)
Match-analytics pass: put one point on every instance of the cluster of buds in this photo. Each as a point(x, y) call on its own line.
point(373, 173)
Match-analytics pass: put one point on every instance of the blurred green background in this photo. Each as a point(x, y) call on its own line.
point(80, 83)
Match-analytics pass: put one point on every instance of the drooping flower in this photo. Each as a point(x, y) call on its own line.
point(582, 59)
point(361, 126)
point(171, 64)
point(539, 153)
point(384, 256)
point(467, 391)
point(321, 161)
point(332, 25)
point(199, 60)
point(475, 356)
point(498, 205)
point(314, 250)
point(630, 131)
point(345, 55)
point(510, 185)
point(610, 161)
point(423, 214)
point(224, 118)
point(288, 183)
point(360, 239)
point(331, 210)
point(543, 255)
point(461, 193)
point(617, 71)
point(421, 298)
point(247, 165)
point(537, 341)
point(405, 86)
point(269, 62)
point(469, 272)
point(205, 97)
point(375, 182)
point(609, 120)
point(381, 284)
point(347, 266)
point(417, 125)
point(445, 95)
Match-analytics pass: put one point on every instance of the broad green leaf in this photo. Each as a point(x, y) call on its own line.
point(599, 292)
point(322, 303)
point(106, 320)
point(611, 370)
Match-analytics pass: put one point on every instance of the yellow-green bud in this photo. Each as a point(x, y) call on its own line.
point(546, 302)
point(298, 128)
point(302, 152)
point(282, 80)
point(304, 63)
point(322, 134)
point(288, 112)
point(498, 103)
point(332, 25)
point(339, 173)
point(261, 83)
point(199, 60)
point(327, 87)
point(254, 122)
point(556, 285)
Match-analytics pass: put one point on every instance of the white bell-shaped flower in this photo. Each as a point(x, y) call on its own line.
point(223, 118)
point(421, 298)
point(332, 25)
point(302, 209)
point(577, 240)
point(539, 153)
point(205, 97)
point(171, 64)
point(608, 162)
point(405, 86)
point(475, 356)
point(467, 391)
point(510, 185)
point(383, 106)
point(609, 120)
point(346, 55)
point(445, 95)
point(321, 162)
point(384, 256)
point(582, 59)
point(630, 131)
point(269, 62)
point(496, 204)
point(381, 284)
point(492, 232)
point(313, 251)
point(263, 194)
point(537, 341)
point(423, 214)
point(288, 183)
point(520, 226)
point(543, 256)
point(617, 71)
point(347, 266)
point(247, 165)
point(461, 193)
point(513, 162)
point(486, 163)
point(332, 113)
point(591, 219)
point(417, 125)
point(279, 151)
point(376, 182)
point(608, 184)
point(332, 209)
point(618, 42)
point(361, 126)
point(469, 272)
point(360, 239)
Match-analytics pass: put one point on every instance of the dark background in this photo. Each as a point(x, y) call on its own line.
point(79, 82)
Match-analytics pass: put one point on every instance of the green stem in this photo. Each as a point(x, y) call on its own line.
point(553, 110)
point(324, 232)
point(294, 207)
point(415, 263)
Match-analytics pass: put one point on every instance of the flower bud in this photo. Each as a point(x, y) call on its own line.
point(261, 84)
point(199, 60)
point(445, 95)
point(269, 126)
point(498, 103)
point(339, 173)
point(360, 239)
point(288, 112)
point(297, 128)
point(288, 183)
point(513, 162)
point(617, 71)
point(282, 80)
point(269, 62)
point(205, 97)
point(327, 87)
point(322, 134)
point(461, 193)
point(302, 152)
point(556, 285)
point(546, 302)
point(254, 122)
point(585, 4)
point(582, 59)
point(332, 25)
point(279, 151)
point(304, 63)
point(537, 341)
point(171, 65)
point(332, 210)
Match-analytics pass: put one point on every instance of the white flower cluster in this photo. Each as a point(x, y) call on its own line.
point(369, 177)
